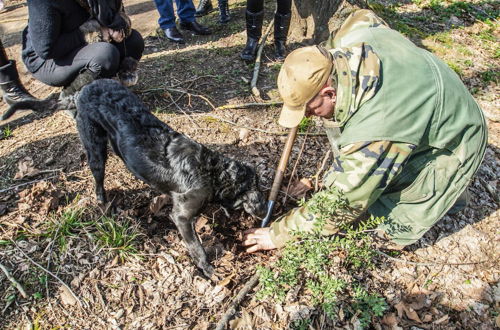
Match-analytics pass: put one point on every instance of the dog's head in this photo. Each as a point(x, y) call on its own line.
point(242, 190)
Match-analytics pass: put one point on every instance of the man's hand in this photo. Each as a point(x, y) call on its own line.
point(257, 239)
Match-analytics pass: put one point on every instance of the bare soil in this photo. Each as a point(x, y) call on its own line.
point(43, 172)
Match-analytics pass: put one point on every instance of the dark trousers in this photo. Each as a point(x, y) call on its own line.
point(256, 6)
point(102, 58)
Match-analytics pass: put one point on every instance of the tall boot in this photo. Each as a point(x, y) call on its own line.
point(254, 32)
point(224, 12)
point(281, 27)
point(12, 89)
point(204, 7)
point(69, 94)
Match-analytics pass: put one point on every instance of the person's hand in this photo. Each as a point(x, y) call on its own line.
point(257, 239)
point(106, 33)
point(117, 35)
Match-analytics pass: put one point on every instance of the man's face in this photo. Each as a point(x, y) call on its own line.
point(323, 104)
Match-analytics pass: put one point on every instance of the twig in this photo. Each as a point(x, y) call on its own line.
point(248, 105)
point(221, 325)
point(321, 168)
point(183, 112)
point(16, 284)
point(28, 183)
point(427, 263)
point(295, 166)
point(256, 68)
point(50, 273)
point(35, 181)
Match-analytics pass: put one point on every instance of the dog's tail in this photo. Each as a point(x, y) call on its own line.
point(47, 104)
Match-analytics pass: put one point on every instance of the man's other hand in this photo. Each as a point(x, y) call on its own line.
point(257, 239)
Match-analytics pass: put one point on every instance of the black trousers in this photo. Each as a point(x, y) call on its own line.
point(256, 6)
point(102, 58)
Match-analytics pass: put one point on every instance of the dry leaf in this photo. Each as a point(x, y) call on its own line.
point(66, 296)
point(202, 221)
point(299, 188)
point(497, 321)
point(427, 318)
point(25, 169)
point(244, 133)
point(225, 281)
point(410, 313)
point(442, 320)
point(390, 320)
point(242, 323)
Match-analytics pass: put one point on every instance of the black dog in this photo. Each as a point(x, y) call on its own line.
point(167, 160)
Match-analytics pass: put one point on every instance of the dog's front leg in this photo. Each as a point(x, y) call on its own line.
point(185, 209)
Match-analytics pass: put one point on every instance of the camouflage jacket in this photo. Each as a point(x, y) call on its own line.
point(361, 170)
point(405, 148)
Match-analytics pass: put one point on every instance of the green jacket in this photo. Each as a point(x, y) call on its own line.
point(413, 104)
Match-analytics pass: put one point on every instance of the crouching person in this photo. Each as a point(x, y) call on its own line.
point(65, 39)
point(406, 134)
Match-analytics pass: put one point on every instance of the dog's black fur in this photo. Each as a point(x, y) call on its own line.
point(167, 160)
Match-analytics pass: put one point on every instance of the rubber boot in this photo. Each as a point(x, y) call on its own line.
point(204, 7)
point(224, 12)
point(254, 32)
point(12, 89)
point(281, 27)
point(69, 94)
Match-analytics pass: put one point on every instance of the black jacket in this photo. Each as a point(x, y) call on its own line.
point(52, 31)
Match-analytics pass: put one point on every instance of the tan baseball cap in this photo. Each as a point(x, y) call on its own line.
point(303, 74)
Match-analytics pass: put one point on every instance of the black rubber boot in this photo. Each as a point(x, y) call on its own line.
point(281, 26)
point(12, 89)
point(69, 94)
point(204, 7)
point(254, 32)
point(224, 12)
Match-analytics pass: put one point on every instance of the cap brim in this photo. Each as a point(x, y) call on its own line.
point(291, 117)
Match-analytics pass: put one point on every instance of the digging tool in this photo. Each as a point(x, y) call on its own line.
point(280, 171)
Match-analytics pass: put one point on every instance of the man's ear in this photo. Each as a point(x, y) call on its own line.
point(328, 91)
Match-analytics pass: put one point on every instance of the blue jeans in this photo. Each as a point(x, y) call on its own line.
point(185, 11)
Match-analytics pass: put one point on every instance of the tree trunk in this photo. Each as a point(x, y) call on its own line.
point(313, 20)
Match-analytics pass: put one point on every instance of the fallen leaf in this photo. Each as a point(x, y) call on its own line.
point(66, 296)
point(299, 188)
point(390, 320)
point(497, 321)
point(226, 281)
point(441, 320)
point(408, 311)
point(244, 133)
point(202, 221)
point(427, 318)
point(26, 169)
point(242, 323)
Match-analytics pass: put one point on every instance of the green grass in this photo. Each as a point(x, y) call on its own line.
point(6, 133)
point(119, 238)
point(69, 224)
point(309, 263)
point(305, 123)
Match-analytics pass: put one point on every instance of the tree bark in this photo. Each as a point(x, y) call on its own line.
point(313, 20)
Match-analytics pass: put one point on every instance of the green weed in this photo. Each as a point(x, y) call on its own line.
point(68, 224)
point(455, 67)
point(490, 76)
point(119, 238)
point(308, 262)
point(305, 123)
point(6, 133)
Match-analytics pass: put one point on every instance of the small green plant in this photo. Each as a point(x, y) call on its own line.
point(301, 324)
point(37, 295)
point(119, 238)
point(68, 224)
point(310, 261)
point(367, 305)
point(305, 123)
point(455, 67)
point(6, 133)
